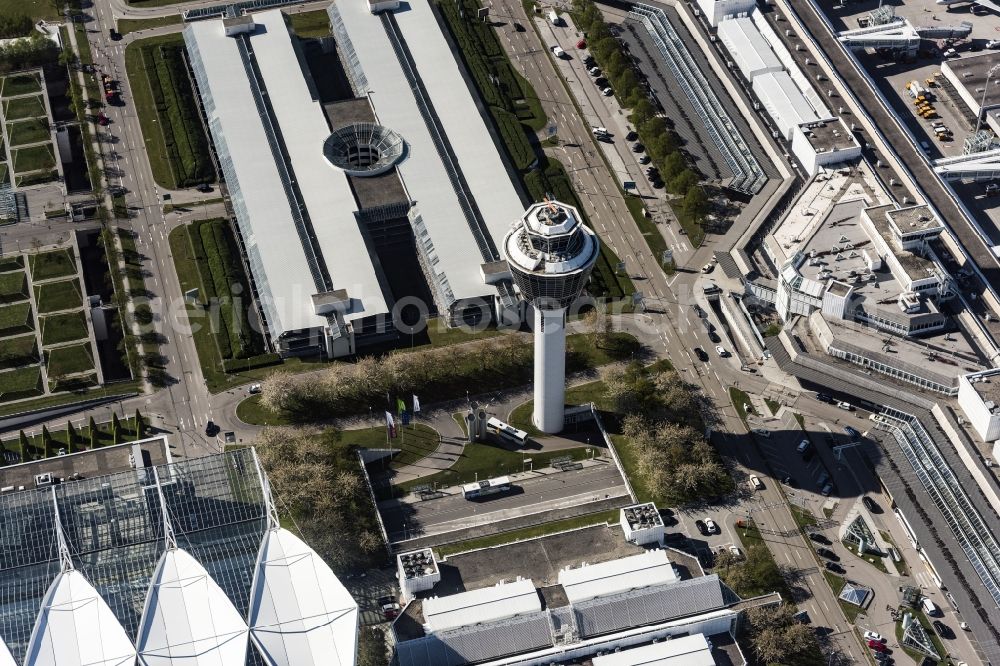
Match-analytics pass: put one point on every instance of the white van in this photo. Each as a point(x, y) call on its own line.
point(930, 607)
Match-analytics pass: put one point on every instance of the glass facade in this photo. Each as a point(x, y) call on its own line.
point(114, 530)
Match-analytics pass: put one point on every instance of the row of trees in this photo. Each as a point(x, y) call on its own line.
point(662, 423)
point(76, 440)
point(14, 25)
point(654, 130)
point(32, 51)
point(316, 480)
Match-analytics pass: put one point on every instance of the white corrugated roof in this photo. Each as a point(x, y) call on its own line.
point(470, 139)
point(266, 221)
point(75, 627)
point(628, 573)
point(483, 605)
point(422, 171)
point(748, 47)
point(784, 102)
point(300, 613)
point(188, 620)
point(684, 651)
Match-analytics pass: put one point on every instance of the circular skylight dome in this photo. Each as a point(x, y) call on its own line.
point(363, 149)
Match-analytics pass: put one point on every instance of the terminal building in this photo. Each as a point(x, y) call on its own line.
point(123, 553)
point(354, 165)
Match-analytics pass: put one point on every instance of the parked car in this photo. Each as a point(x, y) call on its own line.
point(595, 71)
point(204, 187)
point(700, 524)
point(789, 481)
point(828, 554)
point(721, 351)
point(713, 336)
point(211, 429)
point(874, 636)
point(852, 433)
point(876, 646)
point(943, 630)
point(826, 490)
point(845, 406)
point(701, 354)
point(638, 147)
point(632, 135)
point(871, 505)
point(390, 609)
point(608, 92)
point(803, 446)
point(818, 538)
point(644, 159)
point(761, 432)
point(255, 388)
point(834, 567)
point(755, 482)
point(711, 526)
point(823, 397)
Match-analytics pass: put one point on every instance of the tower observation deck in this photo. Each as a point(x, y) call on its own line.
point(551, 254)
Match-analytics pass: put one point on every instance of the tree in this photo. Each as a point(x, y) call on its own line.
point(615, 65)
point(775, 635)
point(46, 441)
point(695, 203)
point(70, 435)
point(139, 426)
point(673, 165)
point(22, 445)
point(680, 183)
point(371, 647)
point(642, 111)
point(3, 454)
point(92, 427)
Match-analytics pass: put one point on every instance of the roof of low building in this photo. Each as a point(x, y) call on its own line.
point(629, 573)
point(482, 605)
point(684, 651)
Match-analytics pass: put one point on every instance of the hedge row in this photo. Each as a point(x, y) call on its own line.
point(224, 268)
point(244, 364)
point(512, 133)
point(183, 135)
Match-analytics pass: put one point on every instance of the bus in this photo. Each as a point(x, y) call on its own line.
point(508, 432)
point(479, 489)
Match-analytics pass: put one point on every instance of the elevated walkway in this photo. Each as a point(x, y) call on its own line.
point(976, 167)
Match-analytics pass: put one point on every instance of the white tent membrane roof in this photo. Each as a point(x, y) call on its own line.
point(75, 627)
point(685, 651)
point(188, 620)
point(422, 171)
point(748, 47)
point(300, 613)
point(482, 605)
point(628, 573)
point(266, 219)
point(6, 658)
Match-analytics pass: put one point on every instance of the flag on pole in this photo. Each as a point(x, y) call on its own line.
point(390, 423)
point(400, 406)
point(416, 404)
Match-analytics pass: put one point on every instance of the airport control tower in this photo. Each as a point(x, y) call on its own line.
point(550, 253)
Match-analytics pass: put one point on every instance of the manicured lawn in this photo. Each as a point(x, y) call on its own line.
point(124, 390)
point(83, 44)
point(126, 26)
point(53, 264)
point(34, 158)
point(14, 262)
point(520, 416)
point(19, 84)
point(740, 398)
point(69, 360)
point(484, 461)
point(22, 350)
point(176, 143)
point(56, 296)
point(23, 107)
point(836, 584)
point(36, 9)
point(413, 442)
point(13, 287)
point(63, 328)
point(28, 131)
point(601, 518)
point(20, 383)
point(250, 411)
point(15, 319)
point(311, 24)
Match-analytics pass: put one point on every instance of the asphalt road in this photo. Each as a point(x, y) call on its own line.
point(544, 492)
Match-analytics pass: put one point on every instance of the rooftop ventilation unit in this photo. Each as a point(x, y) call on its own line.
point(43, 479)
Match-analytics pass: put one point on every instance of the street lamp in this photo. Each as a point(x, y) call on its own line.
point(979, 117)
